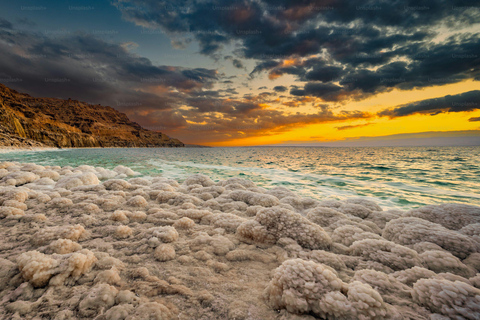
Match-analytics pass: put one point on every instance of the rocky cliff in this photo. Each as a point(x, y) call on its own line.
point(70, 123)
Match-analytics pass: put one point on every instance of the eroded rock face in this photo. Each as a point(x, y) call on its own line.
point(29, 121)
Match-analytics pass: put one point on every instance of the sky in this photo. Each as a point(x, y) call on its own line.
point(263, 72)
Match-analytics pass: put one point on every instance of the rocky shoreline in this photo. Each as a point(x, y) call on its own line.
point(30, 121)
point(89, 242)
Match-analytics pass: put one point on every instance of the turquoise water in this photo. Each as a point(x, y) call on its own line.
point(394, 177)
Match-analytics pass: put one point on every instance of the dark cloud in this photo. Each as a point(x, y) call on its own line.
point(80, 66)
point(467, 101)
point(324, 73)
point(326, 91)
point(237, 63)
point(367, 48)
point(280, 88)
point(473, 119)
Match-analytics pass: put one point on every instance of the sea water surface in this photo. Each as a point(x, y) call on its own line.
point(395, 177)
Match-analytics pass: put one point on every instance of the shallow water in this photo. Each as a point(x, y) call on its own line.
point(394, 177)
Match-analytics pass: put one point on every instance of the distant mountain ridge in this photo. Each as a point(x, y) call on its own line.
point(30, 121)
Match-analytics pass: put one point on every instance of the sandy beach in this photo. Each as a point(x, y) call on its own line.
point(93, 243)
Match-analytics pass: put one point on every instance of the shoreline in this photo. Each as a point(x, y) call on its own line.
point(89, 241)
point(20, 149)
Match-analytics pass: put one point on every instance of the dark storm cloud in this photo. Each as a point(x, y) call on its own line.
point(80, 66)
point(326, 91)
point(369, 48)
point(467, 101)
point(324, 73)
point(473, 119)
point(280, 88)
point(89, 66)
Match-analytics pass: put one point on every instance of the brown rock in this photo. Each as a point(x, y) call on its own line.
point(29, 121)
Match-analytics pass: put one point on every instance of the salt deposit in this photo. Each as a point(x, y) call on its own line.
point(89, 242)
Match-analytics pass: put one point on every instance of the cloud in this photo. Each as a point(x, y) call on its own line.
point(341, 49)
point(326, 91)
point(83, 67)
point(236, 62)
point(254, 121)
point(473, 119)
point(348, 127)
point(367, 48)
point(280, 88)
point(467, 101)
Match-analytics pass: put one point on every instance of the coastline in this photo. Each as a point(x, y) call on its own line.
point(86, 241)
point(4, 149)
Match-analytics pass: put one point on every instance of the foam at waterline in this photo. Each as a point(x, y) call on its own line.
point(240, 251)
point(338, 162)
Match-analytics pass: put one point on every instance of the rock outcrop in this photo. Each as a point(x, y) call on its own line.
point(26, 120)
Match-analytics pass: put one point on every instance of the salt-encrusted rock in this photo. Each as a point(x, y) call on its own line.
point(75, 233)
point(411, 230)
point(63, 246)
point(227, 221)
point(253, 198)
point(117, 184)
point(271, 224)
point(456, 300)
point(199, 179)
point(385, 284)
point(122, 232)
point(452, 216)
point(355, 210)
point(348, 234)
point(110, 276)
point(38, 268)
point(18, 178)
point(76, 180)
point(369, 204)
point(123, 228)
point(10, 211)
point(151, 310)
point(165, 234)
point(125, 170)
point(388, 253)
point(164, 252)
point(443, 261)
point(412, 275)
point(100, 297)
point(184, 223)
point(304, 286)
point(137, 201)
point(216, 244)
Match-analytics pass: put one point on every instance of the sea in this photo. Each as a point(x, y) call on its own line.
point(394, 177)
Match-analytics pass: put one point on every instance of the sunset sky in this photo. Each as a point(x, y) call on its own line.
point(239, 73)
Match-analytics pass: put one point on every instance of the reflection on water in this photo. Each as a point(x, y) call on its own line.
point(395, 177)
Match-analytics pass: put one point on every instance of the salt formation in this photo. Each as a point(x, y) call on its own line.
point(89, 242)
point(455, 300)
point(269, 225)
point(304, 286)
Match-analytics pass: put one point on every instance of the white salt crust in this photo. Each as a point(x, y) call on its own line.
point(89, 242)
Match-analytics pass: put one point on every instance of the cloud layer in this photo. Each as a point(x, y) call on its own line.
point(336, 51)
